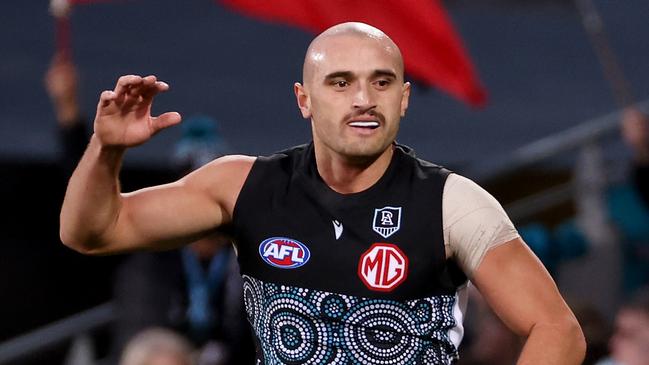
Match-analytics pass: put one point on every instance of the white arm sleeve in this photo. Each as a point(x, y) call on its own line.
point(473, 222)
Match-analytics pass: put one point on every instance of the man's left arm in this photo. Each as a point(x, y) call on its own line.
point(522, 293)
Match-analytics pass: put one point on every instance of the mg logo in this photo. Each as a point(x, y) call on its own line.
point(383, 267)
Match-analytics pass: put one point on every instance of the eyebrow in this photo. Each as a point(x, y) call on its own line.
point(337, 74)
point(388, 73)
point(349, 74)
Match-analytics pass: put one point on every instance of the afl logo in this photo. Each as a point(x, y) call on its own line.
point(284, 253)
point(383, 267)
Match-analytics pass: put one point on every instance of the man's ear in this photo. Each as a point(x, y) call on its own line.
point(404, 98)
point(303, 101)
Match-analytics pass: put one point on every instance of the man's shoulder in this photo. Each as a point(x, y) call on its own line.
point(229, 163)
point(290, 152)
point(229, 170)
point(425, 167)
point(462, 190)
point(287, 160)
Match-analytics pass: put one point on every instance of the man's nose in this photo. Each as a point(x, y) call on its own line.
point(363, 97)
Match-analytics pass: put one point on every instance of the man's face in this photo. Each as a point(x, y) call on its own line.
point(354, 94)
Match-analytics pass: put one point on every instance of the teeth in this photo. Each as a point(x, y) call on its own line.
point(364, 124)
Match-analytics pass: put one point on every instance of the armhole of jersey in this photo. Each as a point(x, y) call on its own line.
point(454, 277)
point(242, 191)
point(445, 173)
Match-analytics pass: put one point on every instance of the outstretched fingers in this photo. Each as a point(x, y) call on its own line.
point(132, 91)
point(141, 92)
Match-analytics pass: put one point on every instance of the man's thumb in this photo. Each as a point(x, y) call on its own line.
point(166, 120)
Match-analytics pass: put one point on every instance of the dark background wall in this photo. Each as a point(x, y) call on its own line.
point(534, 59)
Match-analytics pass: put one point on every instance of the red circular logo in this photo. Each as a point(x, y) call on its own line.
point(383, 267)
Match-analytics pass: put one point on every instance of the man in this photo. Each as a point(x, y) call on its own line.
point(347, 252)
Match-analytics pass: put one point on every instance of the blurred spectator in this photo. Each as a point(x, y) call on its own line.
point(61, 83)
point(630, 216)
point(196, 290)
point(201, 143)
point(635, 130)
point(629, 344)
point(158, 346)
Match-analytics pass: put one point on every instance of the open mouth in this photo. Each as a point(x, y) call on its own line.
point(365, 124)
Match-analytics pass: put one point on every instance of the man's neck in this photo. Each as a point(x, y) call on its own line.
point(347, 176)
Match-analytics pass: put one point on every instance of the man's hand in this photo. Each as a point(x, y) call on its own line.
point(124, 114)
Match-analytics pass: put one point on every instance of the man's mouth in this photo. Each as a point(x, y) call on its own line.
point(365, 124)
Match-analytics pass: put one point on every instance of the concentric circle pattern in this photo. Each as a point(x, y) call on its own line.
point(304, 326)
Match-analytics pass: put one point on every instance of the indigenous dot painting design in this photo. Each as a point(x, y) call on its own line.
point(304, 326)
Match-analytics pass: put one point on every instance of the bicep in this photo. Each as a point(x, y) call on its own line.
point(164, 216)
point(518, 287)
point(178, 213)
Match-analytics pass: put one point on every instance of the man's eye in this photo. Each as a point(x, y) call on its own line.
point(341, 84)
point(383, 83)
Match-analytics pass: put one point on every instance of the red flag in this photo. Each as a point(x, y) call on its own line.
point(432, 51)
point(60, 9)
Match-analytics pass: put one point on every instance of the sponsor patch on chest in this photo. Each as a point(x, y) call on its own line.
point(284, 253)
point(383, 267)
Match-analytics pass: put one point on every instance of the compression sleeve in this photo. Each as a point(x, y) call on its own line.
point(474, 222)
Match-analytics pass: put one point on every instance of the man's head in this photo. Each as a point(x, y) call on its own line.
point(353, 91)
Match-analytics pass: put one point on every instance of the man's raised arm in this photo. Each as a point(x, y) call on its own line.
point(96, 218)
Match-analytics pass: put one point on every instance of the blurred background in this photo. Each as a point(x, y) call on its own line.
point(548, 143)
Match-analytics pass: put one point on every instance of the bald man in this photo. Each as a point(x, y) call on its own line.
point(352, 250)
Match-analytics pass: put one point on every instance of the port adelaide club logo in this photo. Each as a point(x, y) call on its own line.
point(284, 253)
point(387, 221)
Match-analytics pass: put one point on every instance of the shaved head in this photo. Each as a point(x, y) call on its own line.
point(353, 92)
point(320, 45)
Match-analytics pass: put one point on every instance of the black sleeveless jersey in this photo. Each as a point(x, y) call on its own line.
point(357, 278)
